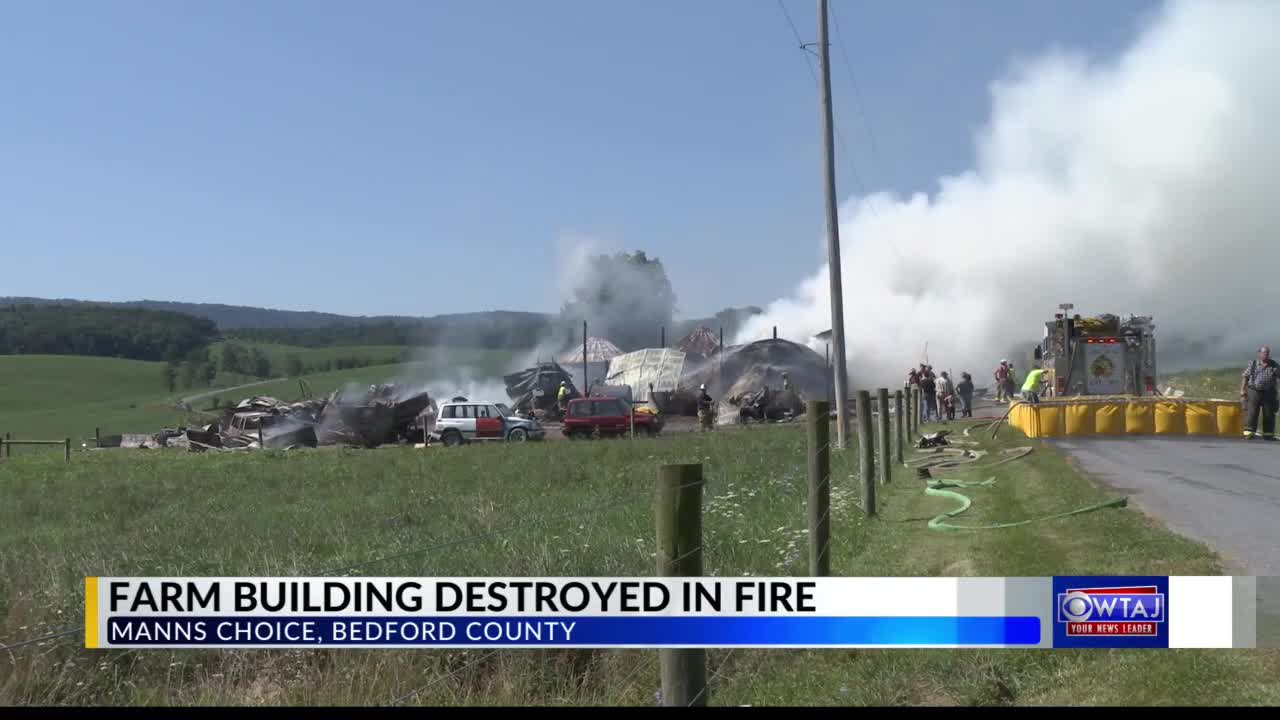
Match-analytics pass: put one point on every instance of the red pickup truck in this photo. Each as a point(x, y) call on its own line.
point(606, 417)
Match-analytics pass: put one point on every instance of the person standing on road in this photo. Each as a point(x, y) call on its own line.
point(1258, 390)
point(928, 393)
point(1010, 383)
point(1002, 380)
point(964, 389)
point(946, 401)
point(919, 384)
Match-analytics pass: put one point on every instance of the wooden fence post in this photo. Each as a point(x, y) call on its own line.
point(901, 429)
point(866, 454)
point(8, 448)
point(819, 414)
point(97, 437)
point(882, 404)
point(68, 449)
point(678, 520)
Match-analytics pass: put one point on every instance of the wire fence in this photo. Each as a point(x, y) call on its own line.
point(718, 442)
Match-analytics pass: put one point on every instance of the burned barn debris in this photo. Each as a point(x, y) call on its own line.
point(766, 380)
point(381, 414)
point(534, 389)
point(699, 345)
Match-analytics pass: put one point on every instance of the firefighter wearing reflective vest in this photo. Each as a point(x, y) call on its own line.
point(1258, 390)
point(562, 396)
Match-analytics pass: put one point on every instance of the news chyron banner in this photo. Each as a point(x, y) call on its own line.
point(778, 612)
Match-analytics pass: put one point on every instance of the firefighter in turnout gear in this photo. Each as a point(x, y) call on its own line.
point(1258, 390)
point(562, 397)
point(706, 421)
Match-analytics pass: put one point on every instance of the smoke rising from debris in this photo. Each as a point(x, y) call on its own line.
point(624, 297)
point(1141, 185)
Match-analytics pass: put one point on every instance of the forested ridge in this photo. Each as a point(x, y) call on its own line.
point(133, 333)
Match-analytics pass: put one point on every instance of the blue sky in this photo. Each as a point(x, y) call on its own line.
point(423, 157)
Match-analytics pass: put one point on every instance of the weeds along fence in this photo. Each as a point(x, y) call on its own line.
point(685, 676)
point(8, 442)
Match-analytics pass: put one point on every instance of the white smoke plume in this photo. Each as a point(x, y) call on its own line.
point(1143, 184)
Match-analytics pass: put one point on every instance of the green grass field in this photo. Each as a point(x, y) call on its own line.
point(57, 396)
point(312, 357)
point(1222, 383)
point(556, 509)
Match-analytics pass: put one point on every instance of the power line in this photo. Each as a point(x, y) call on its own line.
point(42, 638)
point(813, 72)
point(857, 96)
point(799, 42)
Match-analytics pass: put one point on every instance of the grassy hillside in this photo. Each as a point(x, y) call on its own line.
point(1223, 383)
point(493, 361)
point(311, 357)
point(56, 396)
point(47, 397)
point(561, 509)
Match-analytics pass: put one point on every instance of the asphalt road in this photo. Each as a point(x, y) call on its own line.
point(1222, 492)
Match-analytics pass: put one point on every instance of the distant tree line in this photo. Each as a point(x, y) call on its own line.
point(133, 333)
point(294, 365)
point(482, 330)
point(236, 358)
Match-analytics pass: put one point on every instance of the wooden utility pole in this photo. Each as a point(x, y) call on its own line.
point(720, 366)
point(585, 387)
point(833, 231)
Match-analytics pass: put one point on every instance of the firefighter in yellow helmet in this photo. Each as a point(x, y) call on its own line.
point(562, 396)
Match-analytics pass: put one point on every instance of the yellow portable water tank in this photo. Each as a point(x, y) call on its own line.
point(1230, 419)
point(1079, 419)
point(1049, 420)
point(1170, 418)
point(1108, 418)
point(1202, 419)
point(1139, 419)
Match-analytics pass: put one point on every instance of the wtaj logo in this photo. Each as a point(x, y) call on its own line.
point(1112, 611)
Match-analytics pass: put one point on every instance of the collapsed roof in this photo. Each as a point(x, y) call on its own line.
point(701, 341)
point(535, 388)
point(740, 370)
point(659, 368)
point(599, 350)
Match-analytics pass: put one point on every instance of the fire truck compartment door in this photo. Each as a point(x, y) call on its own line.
point(1104, 368)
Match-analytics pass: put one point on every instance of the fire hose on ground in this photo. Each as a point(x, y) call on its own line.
point(953, 460)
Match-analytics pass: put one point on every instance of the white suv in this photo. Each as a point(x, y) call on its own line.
point(463, 421)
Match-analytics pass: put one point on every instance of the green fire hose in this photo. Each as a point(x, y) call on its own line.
point(939, 488)
point(951, 459)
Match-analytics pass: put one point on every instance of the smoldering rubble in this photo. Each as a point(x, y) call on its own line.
point(381, 414)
